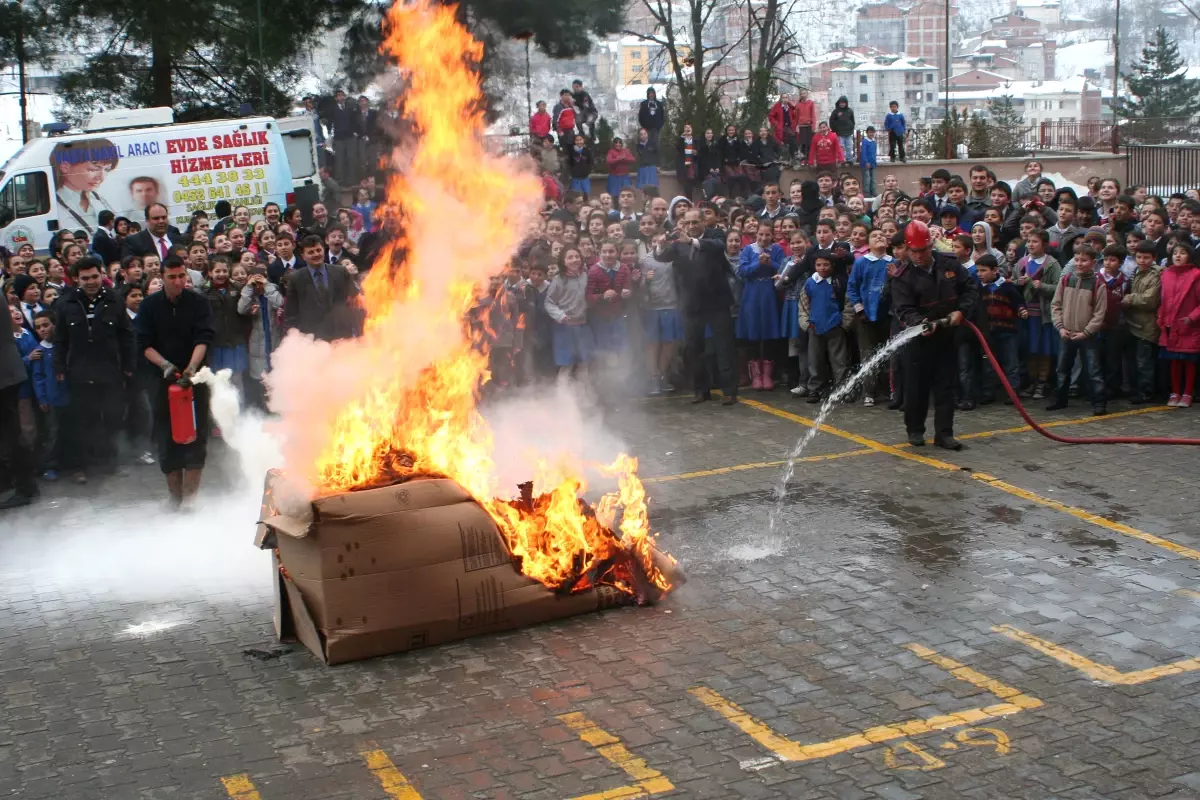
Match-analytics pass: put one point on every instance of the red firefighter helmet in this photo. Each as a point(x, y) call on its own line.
point(916, 235)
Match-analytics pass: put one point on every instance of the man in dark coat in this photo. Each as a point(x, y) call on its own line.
point(927, 288)
point(94, 353)
point(343, 123)
point(652, 116)
point(17, 485)
point(318, 300)
point(175, 328)
point(707, 300)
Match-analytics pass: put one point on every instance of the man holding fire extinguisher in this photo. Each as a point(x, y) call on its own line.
point(175, 328)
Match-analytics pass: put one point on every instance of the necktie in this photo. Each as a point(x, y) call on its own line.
point(162, 249)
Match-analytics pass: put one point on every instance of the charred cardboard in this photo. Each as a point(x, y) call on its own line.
point(392, 569)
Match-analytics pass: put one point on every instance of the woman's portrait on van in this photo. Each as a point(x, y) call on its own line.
point(80, 168)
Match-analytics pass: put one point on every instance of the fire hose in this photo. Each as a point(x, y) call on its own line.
point(1012, 395)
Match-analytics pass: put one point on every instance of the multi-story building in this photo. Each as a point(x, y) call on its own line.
point(871, 84)
point(925, 31)
point(880, 25)
point(1038, 102)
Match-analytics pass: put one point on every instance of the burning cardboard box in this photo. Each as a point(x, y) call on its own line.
point(414, 564)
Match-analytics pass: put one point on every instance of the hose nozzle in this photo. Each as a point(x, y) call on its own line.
point(929, 324)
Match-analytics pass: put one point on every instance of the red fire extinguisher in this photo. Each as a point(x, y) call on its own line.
point(181, 401)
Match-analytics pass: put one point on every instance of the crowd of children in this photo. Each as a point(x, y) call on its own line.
point(1094, 294)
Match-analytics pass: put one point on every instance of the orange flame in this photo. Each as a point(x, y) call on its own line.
point(417, 413)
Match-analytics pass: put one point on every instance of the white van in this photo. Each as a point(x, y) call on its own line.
point(127, 159)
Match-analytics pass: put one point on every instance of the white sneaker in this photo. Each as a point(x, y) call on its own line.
point(868, 401)
point(800, 391)
point(147, 459)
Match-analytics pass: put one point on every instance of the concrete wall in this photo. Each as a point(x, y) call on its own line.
point(1075, 168)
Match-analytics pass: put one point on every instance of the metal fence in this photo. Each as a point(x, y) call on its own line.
point(1163, 168)
point(985, 139)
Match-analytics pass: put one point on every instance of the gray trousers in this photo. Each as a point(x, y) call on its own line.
point(827, 357)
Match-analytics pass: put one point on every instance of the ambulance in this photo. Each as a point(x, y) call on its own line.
point(127, 159)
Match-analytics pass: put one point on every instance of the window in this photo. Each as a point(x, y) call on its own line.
point(862, 78)
point(929, 96)
point(26, 195)
point(929, 77)
point(862, 98)
point(635, 55)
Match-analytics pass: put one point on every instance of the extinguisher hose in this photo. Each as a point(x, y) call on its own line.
point(1031, 422)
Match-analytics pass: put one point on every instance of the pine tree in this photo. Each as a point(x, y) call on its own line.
point(1158, 86)
point(1007, 127)
point(604, 138)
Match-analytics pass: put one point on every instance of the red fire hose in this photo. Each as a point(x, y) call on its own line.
point(1012, 395)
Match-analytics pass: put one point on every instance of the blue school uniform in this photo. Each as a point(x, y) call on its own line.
point(647, 159)
point(825, 299)
point(865, 285)
point(26, 344)
point(758, 315)
point(573, 344)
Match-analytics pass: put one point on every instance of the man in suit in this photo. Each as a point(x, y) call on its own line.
point(318, 300)
point(344, 124)
point(104, 241)
point(159, 236)
point(367, 120)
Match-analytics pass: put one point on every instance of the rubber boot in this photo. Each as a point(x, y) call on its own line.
point(755, 374)
point(768, 366)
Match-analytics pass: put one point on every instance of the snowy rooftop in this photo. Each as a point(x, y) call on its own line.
point(1038, 4)
point(878, 65)
point(1022, 89)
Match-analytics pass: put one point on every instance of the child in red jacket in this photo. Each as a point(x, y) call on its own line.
point(825, 149)
point(1179, 323)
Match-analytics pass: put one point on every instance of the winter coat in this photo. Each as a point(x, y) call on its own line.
point(690, 164)
point(1002, 303)
point(539, 124)
point(1080, 303)
point(782, 117)
point(1048, 274)
point(579, 163)
point(805, 113)
point(47, 389)
point(1180, 300)
point(99, 350)
point(599, 281)
point(651, 114)
point(865, 285)
point(26, 344)
point(841, 121)
point(232, 327)
point(12, 367)
point(868, 152)
point(265, 327)
point(1141, 304)
point(731, 151)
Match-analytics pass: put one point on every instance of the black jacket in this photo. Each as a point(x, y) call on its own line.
point(175, 328)
point(96, 350)
point(326, 315)
point(579, 162)
point(142, 243)
point(702, 273)
point(652, 114)
point(342, 121)
point(107, 247)
point(918, 295)
point(732, 152)
point(841, 121)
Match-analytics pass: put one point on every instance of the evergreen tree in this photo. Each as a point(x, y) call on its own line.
point(1007, 127)
point(1158, 86)
point(604, 139)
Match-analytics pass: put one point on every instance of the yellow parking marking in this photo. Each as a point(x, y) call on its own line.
point(240, 787)
point(929, 762)
point(709, 473)
point(394, 783)
point(994, 482)
point(854, 437)
point(649, 781)
point(788, 750)
point(1087, 516)
point(1095, 671)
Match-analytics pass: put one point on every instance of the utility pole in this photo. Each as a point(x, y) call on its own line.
point(21, 71)
point(946, 84)
point(1116, 135)
point(262, 75)
point(528, 85)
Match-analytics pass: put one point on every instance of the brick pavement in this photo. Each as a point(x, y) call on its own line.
point(888, 647)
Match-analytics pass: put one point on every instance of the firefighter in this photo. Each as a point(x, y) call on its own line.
point(934, 291)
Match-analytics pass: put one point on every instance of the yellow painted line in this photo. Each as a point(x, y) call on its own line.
point(392, 780)
point(975, 678)
point(994, 482)
point(789, 750)
point(1094, 670)
point(1136, 412)
point(1087, 516)
point(240, 787)
point(708, 473)
point(649, 781)
point(871, 444)
point(1190, 594)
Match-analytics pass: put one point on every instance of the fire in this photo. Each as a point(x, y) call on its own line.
point(464, 211)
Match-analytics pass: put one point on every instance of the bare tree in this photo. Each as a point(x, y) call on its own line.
point(693, 37)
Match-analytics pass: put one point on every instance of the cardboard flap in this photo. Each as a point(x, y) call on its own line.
point(291, 526)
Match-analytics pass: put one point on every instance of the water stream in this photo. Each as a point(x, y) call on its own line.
point(843, 390)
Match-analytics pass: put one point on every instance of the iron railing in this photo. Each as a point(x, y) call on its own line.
point(1163, 168)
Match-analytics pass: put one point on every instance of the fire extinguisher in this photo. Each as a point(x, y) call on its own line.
point(181, 402)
